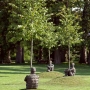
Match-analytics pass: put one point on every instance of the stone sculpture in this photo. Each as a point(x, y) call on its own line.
point(50, 67)
point(71, 71)
point(32, 79)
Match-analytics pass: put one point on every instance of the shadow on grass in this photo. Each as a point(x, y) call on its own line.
point(81, 69)
point(32, 89)
point(20, 69)
point(4, 76)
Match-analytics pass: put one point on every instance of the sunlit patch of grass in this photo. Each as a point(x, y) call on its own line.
point(12, 77)
point(51, 74)
point(58, 78)
point(68, 81)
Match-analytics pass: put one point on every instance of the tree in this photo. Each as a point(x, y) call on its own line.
point(55, 7)
point(15, 32)
point(35, 21)
point(68, 31)
point(49, 39)
point(85, 24)
point(5, 45)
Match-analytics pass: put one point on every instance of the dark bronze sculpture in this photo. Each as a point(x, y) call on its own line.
point(50, 67)
point(71, 71)
point(32, 79)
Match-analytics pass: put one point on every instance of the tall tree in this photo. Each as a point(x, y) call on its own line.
point(86, 29)
point(15, 32)
point(49, 39)
point(35, 21)
point(68, 31)
point(4, 15)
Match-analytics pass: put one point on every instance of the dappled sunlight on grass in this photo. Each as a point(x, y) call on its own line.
point(12, 77)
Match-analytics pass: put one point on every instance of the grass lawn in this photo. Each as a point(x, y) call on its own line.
point(12, 77)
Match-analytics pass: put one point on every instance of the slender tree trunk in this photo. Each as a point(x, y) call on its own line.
point(31, 52)
point(49, 55)
point(52, 56)
point(69, 55)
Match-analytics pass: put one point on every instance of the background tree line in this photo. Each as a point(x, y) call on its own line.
point(44, 29)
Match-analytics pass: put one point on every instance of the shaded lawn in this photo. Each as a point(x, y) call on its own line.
point(12, 77)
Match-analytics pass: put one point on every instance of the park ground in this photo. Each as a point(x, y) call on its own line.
point(12, 77)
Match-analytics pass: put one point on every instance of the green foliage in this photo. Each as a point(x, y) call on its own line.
point(26, 54)
point(34, 18)
point(27, 19)
point(49, 39)
point(68, 31)
point(15, 31)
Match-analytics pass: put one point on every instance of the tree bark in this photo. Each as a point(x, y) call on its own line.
point(88, 57)
point(23, 55)
point(83, 55)
point(63, 55)
point(8, 57)
point(19, 54)
point(1, 55)
point(85, 28)
point(57, 56)
point(40, 53)
point(31, 59)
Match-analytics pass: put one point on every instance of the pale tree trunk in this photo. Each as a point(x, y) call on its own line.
point(31, 53)
point(69, 55)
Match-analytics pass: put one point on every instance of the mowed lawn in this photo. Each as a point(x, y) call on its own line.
point(12, 77)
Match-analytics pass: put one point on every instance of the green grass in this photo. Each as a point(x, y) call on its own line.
point(12, 77)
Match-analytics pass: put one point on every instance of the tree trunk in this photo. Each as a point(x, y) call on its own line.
point(23, 55)
point(69, 55)
point(63, 55)
point(1, 55)
point(31, 53)
point(49, 56)
point(88, 57)
point(8, 57)
point(57, 56)
point(40, 54)
point(19, 53)
point(83, 55)
point(85, 28)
